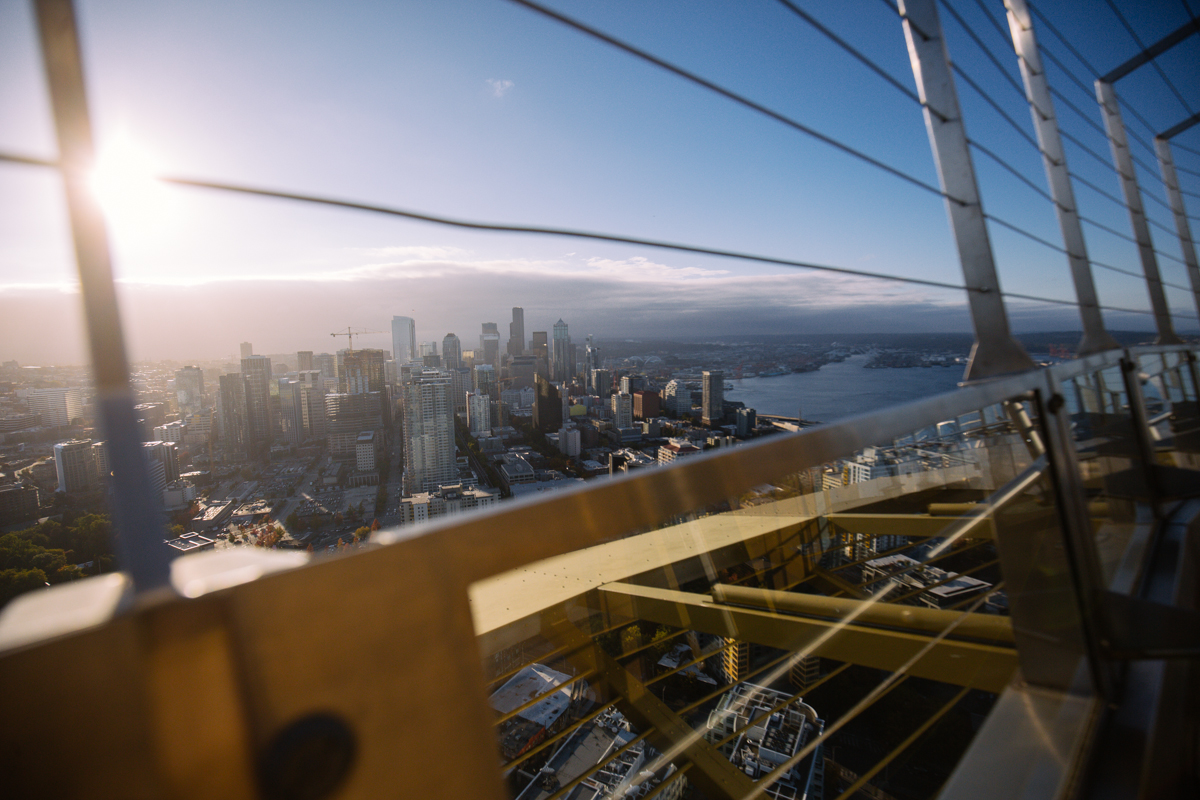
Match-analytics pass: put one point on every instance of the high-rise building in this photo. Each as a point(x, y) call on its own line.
point(360, 371)
point(428, 432)
point(622, 406)
point(348, 415)
point(461, 382)
point(484, 381)
point(645, 404)
point(451, 351)
point(247, 349)
point(602, 383)
point(626, 384)
point(547, 406)
point(76, 465)
point(516, 332)
point(540, 346)
point(404, 339)
point(164, 453)
point(232, 415)
point(257, 370)
point(713, 404)
point(521, 371)
point(561, 367)
point(479, 412)
point(189, 389)
point(747, 421)
point(489, 345)
point(591, 362)
point(312, 404)
point(304, 360)
point(57, 407)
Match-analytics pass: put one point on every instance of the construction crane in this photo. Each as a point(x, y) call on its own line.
point(350, 334)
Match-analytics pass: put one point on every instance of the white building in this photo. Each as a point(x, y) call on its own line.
point(404, 340)
point(676, 449)
point(622, 408)
point(76, 465)
point(444, 501)
point(364, 451)
point(57, 407)
point(428, 432)
point(479, 413)
point(569, 441)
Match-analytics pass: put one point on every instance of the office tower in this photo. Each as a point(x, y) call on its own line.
point(626, 384)
point(404, 339)
point(484, 381)
point(713, 404)
point(189, 389)
point(257, 370)
point(75, 463)
point(547, 406)
point(427, 349)
point(428, 432)
point(327, 364)
point(489, 345)
point(57, 407)
point(591, 362)
point(304, 360)
point(348, 415)
point(561, 368)
point(247, 349)
point(461, 382)
point(602, 383)
point(291, 416)
point(164, 453)
point(540, 346)
point(312, 404)
point(622, 406)
point(516, 332)
point(645, 405)
point(479, 412)
point(232, 414)
point(747, 421)
point(360, 371)
point(521, 371)
point(451, 351)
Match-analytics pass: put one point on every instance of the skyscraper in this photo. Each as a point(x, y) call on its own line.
point(591, 362)
point(360, 370)
point(489, 345)
point(547, 406)
point(540, 345)
point(479, 412)
point(404, 339)
point(713, 404)
point(451, 351)
point(247, 349)
point(622, 406)
point(189, 389)
point(76, 465)
point(561, 368)
point(304, 360)
point(57, 407)
point(257, 371)
point(516, 332)
point(232, 416)
point(484, 381)
point(602, 383)
point(348, 415)
point(428, 432)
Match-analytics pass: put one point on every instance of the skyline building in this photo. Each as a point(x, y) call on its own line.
point(451, 351)
point(602, 383)
point(560, 353)
point(540, 345)
point(57, 407)
point(348, 415)
point(233, 422)
point(489, 345)
point(483, 381)
point(547, 406)
point(479, 412)
point(257, 370)
point(404, 339)
point(516, 332)
point(304, 360)
point(591, 363)
point(247, 349)
point(713, 403)
point(521, 371)
point(428, 432)
point(360, 371)
point(189, 389)
point(75, 463)
point(622, 406)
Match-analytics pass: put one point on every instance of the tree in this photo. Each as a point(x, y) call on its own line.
point(292, 521)
point(362, 533)
point(18, 581)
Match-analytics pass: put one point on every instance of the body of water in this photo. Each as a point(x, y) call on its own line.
point(842, 389)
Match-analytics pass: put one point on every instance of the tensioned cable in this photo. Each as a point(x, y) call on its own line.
point(731, 95)
point(833, 37)
point(988, 99)
point(986, 51)
point(571, 233)
point(1010, 168)
point(1154, 61)
point(1185, 147)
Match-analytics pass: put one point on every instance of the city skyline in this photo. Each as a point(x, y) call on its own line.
point(538, 133)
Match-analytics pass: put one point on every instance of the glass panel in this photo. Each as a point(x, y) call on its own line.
point(841, 625)
point(1168, 388)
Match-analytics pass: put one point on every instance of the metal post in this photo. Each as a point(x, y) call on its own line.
point(1166, 163)
point(137, 512)
point(995, 351)
point(1037, 91)
point(1123, 161)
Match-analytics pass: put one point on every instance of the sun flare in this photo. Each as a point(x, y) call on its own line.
point(125, 183)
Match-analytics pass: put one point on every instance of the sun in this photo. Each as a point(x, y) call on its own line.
point(124, 182)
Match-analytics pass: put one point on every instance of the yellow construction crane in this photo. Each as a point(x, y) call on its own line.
point(350, 334)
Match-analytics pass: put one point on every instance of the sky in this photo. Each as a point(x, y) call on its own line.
point(485, 110)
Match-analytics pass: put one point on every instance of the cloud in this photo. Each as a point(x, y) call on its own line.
point(500, 87)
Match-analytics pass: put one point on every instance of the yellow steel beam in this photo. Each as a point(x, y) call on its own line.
point(964, 663)
point(918, 526)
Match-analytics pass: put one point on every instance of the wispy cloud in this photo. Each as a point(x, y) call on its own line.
point(500, 87)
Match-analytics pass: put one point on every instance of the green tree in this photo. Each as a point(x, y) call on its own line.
point(18, 581)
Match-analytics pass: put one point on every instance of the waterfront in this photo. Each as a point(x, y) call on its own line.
point(842, 389)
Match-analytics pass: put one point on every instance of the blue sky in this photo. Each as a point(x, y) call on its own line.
point(484, 110)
